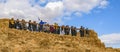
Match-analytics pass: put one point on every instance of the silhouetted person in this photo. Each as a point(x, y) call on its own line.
point(30, 25)
point(87, 32)
point(11, 23)
point(58, 30)
point(75, 31)
point(72, 31)
point(81, 31)
point(67, 30)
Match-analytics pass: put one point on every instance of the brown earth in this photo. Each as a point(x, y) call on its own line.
point(12, 40)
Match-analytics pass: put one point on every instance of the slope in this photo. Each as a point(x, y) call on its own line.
point(12, 40)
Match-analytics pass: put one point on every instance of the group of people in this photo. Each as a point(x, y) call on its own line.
point(44, 27)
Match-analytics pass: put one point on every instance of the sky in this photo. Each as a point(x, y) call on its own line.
point(99, 15)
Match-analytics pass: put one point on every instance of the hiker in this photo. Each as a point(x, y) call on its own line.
point(30, 25)
point(46, 28)
point(75, 31)
point(87, 32)
point(56, 28)
point(34, 26)
point(51, 29)
point(41, 23)
point(72, 30)
point(62, 30)
point(67, 30)
point(17, 24)
point(23, 24)
point(11, 23)
point(81, 31)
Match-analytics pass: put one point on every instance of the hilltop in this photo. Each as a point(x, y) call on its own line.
point(13, 40)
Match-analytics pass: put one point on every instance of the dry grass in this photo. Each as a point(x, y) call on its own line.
point(12, 40)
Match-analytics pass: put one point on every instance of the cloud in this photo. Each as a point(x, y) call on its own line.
point(47, 10)
point(83, 5)
point(103, 4)
point(111, 40)
point(23, 9)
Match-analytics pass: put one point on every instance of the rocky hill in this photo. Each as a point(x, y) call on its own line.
point(12, 40)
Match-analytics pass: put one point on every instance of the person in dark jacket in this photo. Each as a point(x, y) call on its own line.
point(87, 32)
point(30, 25)
point(67, 30)
point(75, 31)
point(58, 30)
point(11, 23)
point(81, 31)
point(72, 31)
point(17, 24)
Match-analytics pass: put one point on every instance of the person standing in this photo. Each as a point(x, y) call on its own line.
point(51, 29)
point(30, 25)
point(17, 24)
point(81, 31)
point(23, 24)
point(47, 28)
point(62, 30)
point(34, 26)
point(11, 23)
point(56, 28)
point(67, 30)
point(72, 30)
point(41, 23)
point(87, 32)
